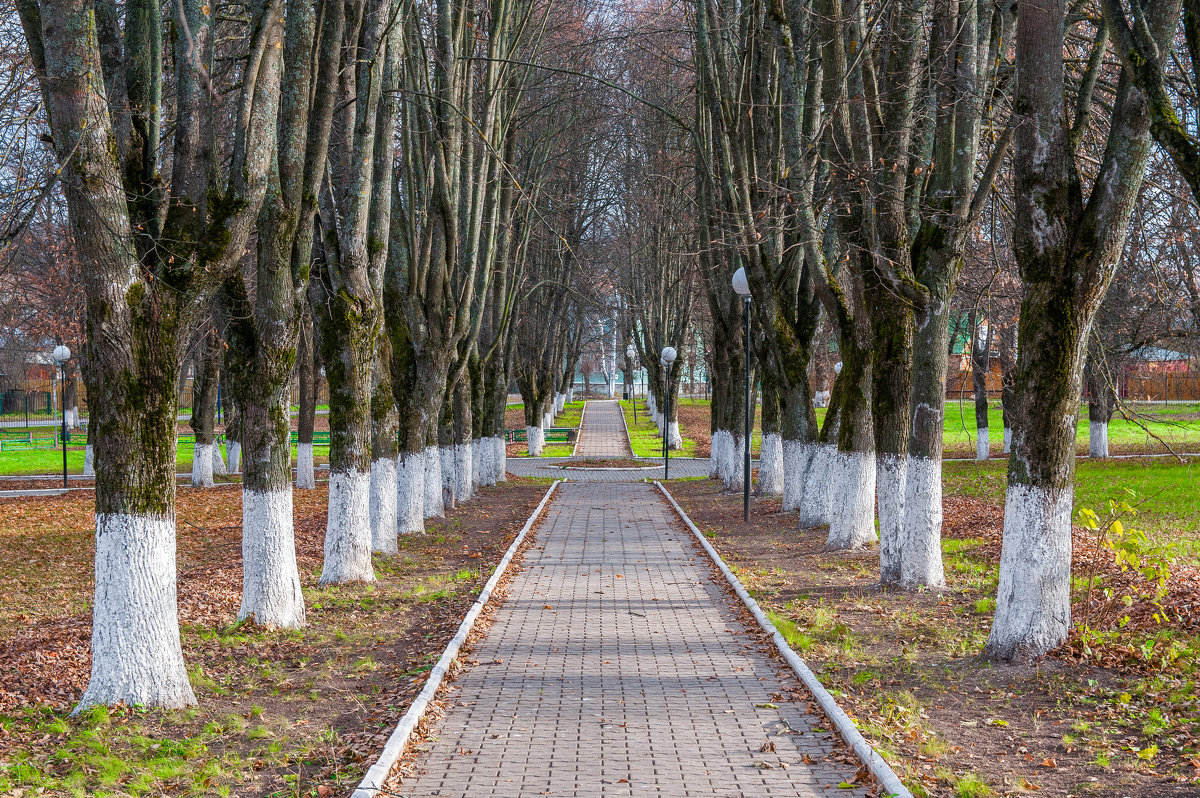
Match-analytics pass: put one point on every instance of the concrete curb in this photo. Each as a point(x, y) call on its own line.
point(625, 424)
point(372, 784)
point(579, 431)
point(845, 726)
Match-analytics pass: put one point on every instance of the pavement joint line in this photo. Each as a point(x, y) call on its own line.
point(875, 763)
point(372, 783)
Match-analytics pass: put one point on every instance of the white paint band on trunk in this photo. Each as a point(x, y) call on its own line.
point(770, 465)
point(982, 445)
point(89, 461)
point(202, 465)
point(410, 492)
point(547, 420)
point(384, 523)
point(797, 456)
point(501, 462)
point(464, 467)
point(348, 530)
point(817, 496)
point(485, 465)
point(448, 476)
point(476, 464)
point(306, 474)
point(136, 654)
point(735, 466)
point(716, 458)
point(890, 472)
point(534, 439)
point(434, 507)
point(852, 505)
point(920, 542)
point(235, 457)
point(1008, 440)
point(271, 593)
point(675, 441)
point(1098, 438)
point(1033, 599)
point(218, 461)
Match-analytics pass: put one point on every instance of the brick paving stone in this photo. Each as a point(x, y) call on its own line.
point(603, 433)
point(616, 666)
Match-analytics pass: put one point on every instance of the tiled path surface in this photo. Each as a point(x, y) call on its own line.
point(552, 467)
point(616, 667)
point(603, 433)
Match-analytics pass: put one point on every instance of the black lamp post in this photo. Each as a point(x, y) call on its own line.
point(61, 355)
point(742, 287)
point(668, 357)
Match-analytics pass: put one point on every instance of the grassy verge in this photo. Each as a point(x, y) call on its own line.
point(31, 462)
point(643, 435)
point(280, 713)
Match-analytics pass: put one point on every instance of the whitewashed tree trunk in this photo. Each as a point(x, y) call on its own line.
point(136, 654)
point(733, 465)
point(218, 461)
point(434, 506)
point(547, 420)
point(1008, 440)
point(982, 445)
point(476, 464)
point(920, 536)
point(464, 469)
point(770, 466)
point(891, 473)
point(500, 464)
point(235, 457)
point(721, 440)
point(535, 439)
point(571, 393)
point(675, 441)
point(817, 493)
point(446, 453)
point(797, 456)
point(410, 491)
point(89, 461)
point(384, 523)
point(852, 505)
point(306, 475)
point(202, 465)
point(348, 531)
point(1033, 599)
point(1098, 438)
point(271, 594)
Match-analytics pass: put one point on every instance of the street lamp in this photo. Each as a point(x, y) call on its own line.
point(742, 286)
point(668, 357)
point(630, 354)
point(61, 355)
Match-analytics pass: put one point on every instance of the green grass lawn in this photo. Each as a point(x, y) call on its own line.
point(569, 417)
point(643, 436)
point(33, 462)
point(1167, 493)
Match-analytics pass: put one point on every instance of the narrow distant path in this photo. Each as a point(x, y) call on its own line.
point(616, 666)
point(603, 433)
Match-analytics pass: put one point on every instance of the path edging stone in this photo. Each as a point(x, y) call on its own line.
point(579, 429)
point(875, 763)
point(372, 783)
point(625, 424)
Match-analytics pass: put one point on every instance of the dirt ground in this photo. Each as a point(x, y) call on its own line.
point(907, 666)
point(279, 713)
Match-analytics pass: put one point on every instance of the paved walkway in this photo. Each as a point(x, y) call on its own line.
point(603, 433)
point(616, 666)
point(553, 467)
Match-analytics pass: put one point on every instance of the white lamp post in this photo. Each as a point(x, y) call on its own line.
point(742, 287)
point(61, 355)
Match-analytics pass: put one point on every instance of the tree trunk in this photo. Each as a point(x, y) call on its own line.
point(204, 407)
point(770, 459)
point(346, 331)
point(981, 348)
point(385, 452)
point(919, 549)
point(306, 356)
point(464, 467)
point(851, 472)
point(1102, 401)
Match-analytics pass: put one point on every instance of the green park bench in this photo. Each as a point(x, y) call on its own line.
point(553, 435)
